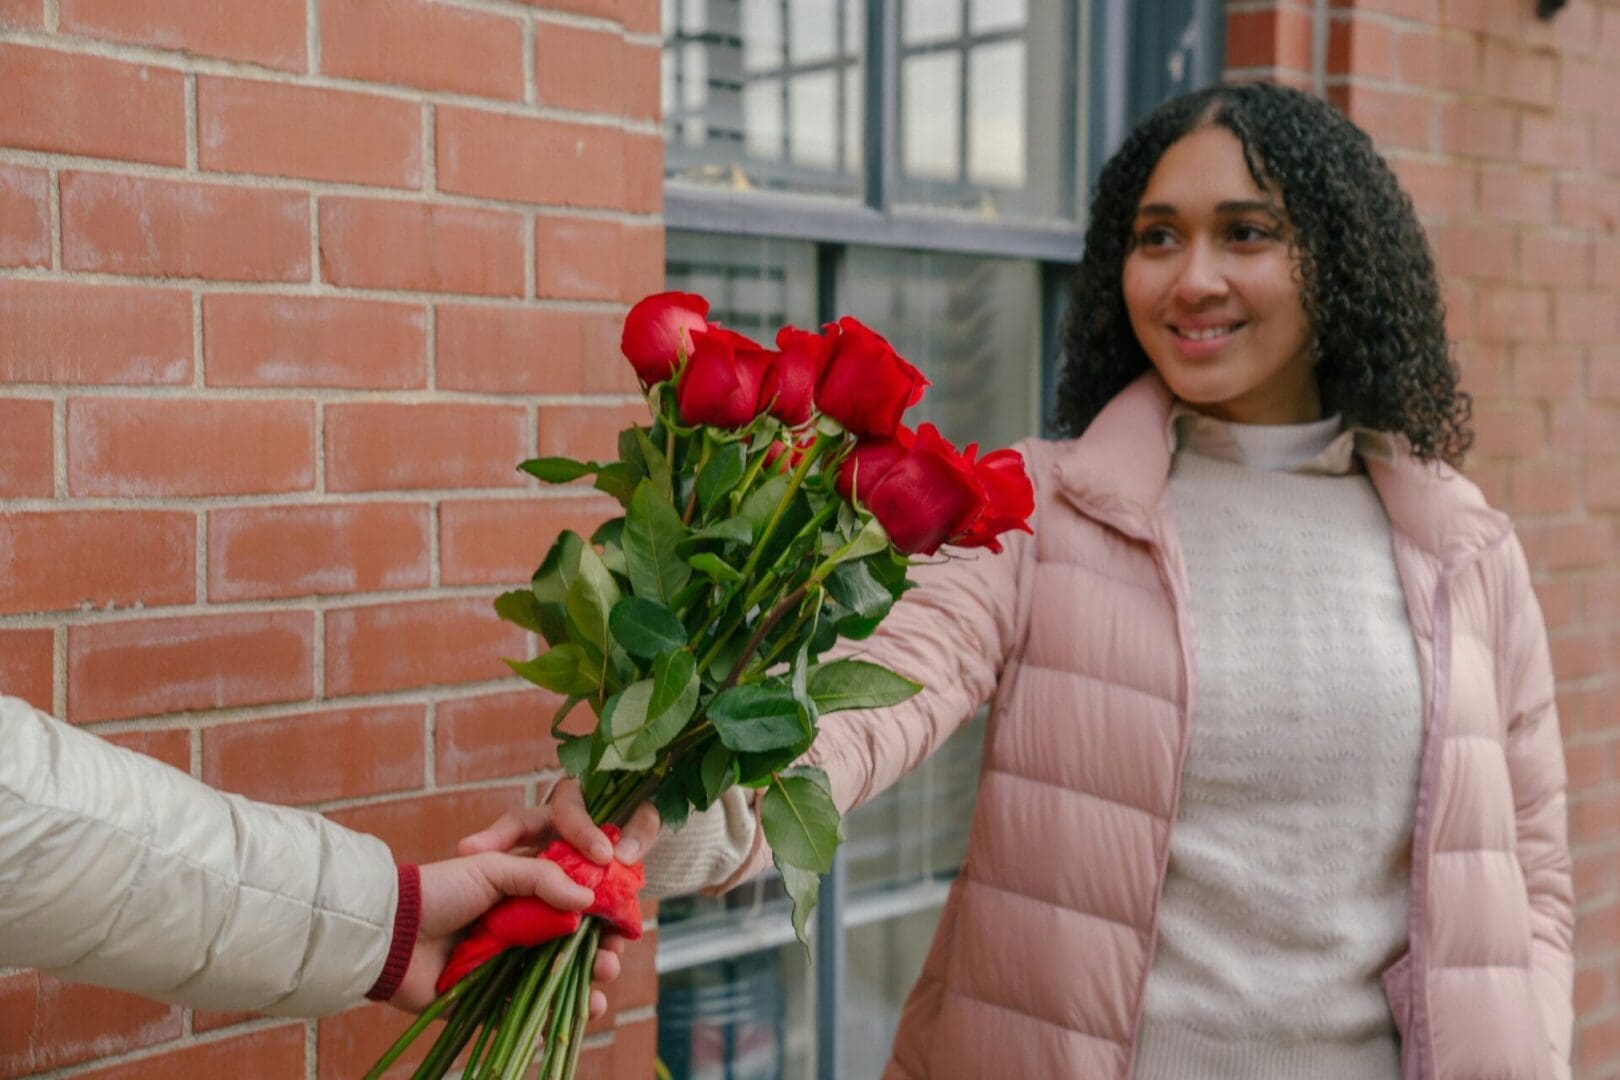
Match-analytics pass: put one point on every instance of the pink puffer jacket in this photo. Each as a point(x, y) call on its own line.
point(1081, 635)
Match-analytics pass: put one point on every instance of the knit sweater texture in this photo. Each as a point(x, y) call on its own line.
point(1287, 887)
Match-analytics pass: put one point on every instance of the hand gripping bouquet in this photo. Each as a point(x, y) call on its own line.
point(773, 505)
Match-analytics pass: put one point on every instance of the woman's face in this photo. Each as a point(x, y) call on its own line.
point(1213, 290)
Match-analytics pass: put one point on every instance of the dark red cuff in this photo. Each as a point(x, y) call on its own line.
point(407, 917)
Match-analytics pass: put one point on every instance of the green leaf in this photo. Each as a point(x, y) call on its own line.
point(645, 628)
point(519, 606)
point(591, 596)
point(857, 684)
point(756, 717)
point(853, 585)
point(607, 534)
point(619, 480)
point(804, 886)
point(558, 470)
point(732, 530)
point(564, 669)
point(657, 465)
point(550, 586)
point(574, 751)
point(760, 503)
point(756, 770)
point(725, 468)
point(718, 772)
point(800, 820)
point(648, 714)
point(808, 712)
point(869, 541)
point(713, 566)
point(652, 529)
point(670, 799)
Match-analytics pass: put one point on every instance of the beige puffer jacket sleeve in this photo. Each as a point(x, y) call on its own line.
point(120, 871)
point(1536, 770)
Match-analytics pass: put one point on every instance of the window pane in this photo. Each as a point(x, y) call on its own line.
point(984, 127)
point(744, 1018)
point(764, 94)
point(753, 285)
point(884, 961)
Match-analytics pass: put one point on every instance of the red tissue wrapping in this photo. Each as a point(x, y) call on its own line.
point(520, 921)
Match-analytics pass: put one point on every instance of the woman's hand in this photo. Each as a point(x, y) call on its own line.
point(520, 834)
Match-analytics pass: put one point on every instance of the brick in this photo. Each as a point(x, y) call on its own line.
point(267, 32)
point(427, 45)
point(1547, 372)
point(163, 228)
point(1485, 367)
point(1603, 374)
point(1603, 488)
point(1606, 145)
point(1277, 37)
point(1540, 488)
point(150, 666)
point(494, 735)
point(1559, 600)
point(1580, 543)
point(278, 130)
point(1585, 316)
point(349, 1044)
point(427, 828)
point(635, 1045)
point(171, 746)
point(1594, 206)
point(1606, 264)
point(1459, 65)
point(641, 252)
point(1505, 432)
point(1461, 309)
point(27, 667)
point(422, 643)
point(1426, 11)
point(316, 757)
point(70, 104)
point(268, 1054)
point(501, 541)
point(386, 446)
point(1554, 260)
point(374, 243)
point(171, 447)
point(578, 258)
point(1509, 70)
point(1474, 251)
point(1512, 195)
point(1555, 141)
point(1593, 991)
point(313, 341)
point(1586, 86)
point(1361, 47)
point(1393, 119)
point(1597, 1046)
point(595, 71)
point(1477, 131)
point(64, 559)
point(27, 449)
point(501, 350)
point(1418, 58)
point(530, 160)
point(643, 173)
point(1576, 28)
point(1437, 187)
point(1510, 314)
point(202, 1020)
point(25, 216)
point(1584, 429)
point(587, 431)
point(1595, 818)
point(1490, 17)
point(1579, 656)
point(65, 332)
point(22, 14)
point(51, 1024)
point(275, 552)
point(1589, 765)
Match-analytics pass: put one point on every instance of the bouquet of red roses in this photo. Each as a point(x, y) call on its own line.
point(772, 506)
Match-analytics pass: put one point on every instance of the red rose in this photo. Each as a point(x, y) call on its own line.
point(721, 381)
point(927, 496)
point(790, 384)
point(1009, 498)
point(658, 328)
point(866, 386)
point(870, 459)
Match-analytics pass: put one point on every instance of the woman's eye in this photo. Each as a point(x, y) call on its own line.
point(1154, 236)
point(1245, 233)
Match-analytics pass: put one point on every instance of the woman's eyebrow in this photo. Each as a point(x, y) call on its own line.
point(1226, 209)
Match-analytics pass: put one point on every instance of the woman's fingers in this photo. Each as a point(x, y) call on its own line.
point(607, 967)
point(563, 814)
point(507, 831)
point(598, 1003)
point(639, 833)
point(573, 822)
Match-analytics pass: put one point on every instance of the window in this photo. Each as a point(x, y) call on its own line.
point(917, 164)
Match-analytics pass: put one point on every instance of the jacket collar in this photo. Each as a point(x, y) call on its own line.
point(1118, 469)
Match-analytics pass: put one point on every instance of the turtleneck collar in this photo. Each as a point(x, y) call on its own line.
point(1324, 447)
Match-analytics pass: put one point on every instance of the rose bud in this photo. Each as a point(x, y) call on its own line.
point(658, 328)
point(928, 496)
point(790, 384)
point(870, 459)
point(1009, 499)
point(866, 385)
point(721, 381)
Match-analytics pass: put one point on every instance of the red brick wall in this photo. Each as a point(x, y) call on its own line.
point(1506, 131)
point(287, 288)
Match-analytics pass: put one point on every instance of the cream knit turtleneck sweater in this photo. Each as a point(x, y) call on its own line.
point(1286, 893)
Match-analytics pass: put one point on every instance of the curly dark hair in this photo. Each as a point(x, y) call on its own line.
point(1368, 277)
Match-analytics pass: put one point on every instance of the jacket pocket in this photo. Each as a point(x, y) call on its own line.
point(1398, 992)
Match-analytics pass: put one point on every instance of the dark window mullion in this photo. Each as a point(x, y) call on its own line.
point(882, 103)
point(963, 52)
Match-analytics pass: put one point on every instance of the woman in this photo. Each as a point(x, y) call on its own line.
point(1273, 785)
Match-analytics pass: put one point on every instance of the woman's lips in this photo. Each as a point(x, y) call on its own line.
point(1196, 343)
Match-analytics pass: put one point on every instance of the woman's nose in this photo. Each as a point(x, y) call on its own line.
point(1202, 275)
